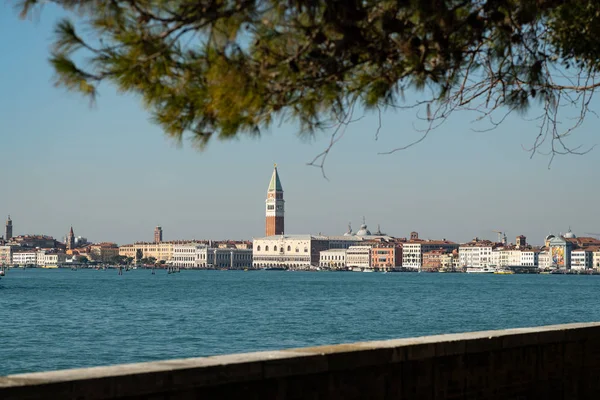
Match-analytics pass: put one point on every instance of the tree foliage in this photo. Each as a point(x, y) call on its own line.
point(232, 67)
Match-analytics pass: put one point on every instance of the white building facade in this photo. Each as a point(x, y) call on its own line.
point(505, 257)
point(581, 259)
point(288, 251)
point(477, 255)
point(45, 258)
point(231, 258)
point(359, 257)
point(185, 255)
point(24, 258)
point(333, 258)
point(530, 258)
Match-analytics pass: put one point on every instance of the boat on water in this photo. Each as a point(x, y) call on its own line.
point(2, 273)
point(504, 272)
point(367, 270)
point(50, 266)
point(274, 269)
point(480, 270)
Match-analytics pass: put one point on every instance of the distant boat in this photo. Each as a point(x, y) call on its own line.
point(2, 272)
point(504, 272)
point(484, 270)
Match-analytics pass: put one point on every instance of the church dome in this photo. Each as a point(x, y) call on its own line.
point(349, 231)
point(363, 231)
point(549, 237)
point(569, 235)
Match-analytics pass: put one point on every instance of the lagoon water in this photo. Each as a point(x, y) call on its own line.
point(57, 319)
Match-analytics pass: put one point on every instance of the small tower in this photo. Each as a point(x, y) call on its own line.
point(274, 212)
point(158, 234)
point(70, 240)
point(521, 242)
point(8, 229)
point(414, 235)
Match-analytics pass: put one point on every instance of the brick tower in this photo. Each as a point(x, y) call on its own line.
point(158, 234)
point(71, 240)
point(8, 229)
point(274, 206)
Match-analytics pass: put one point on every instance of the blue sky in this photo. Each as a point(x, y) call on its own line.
point(113, 175)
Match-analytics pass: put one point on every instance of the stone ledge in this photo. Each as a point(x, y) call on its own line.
point(145, 379)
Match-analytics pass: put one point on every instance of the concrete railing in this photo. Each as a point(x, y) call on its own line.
point(553, 362)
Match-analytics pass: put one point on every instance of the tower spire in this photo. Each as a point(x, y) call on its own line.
point(71, 239)
point(274, 224)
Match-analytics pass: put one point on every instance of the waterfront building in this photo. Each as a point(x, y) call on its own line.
point(185, 254)
point(50, 257)
point(544, 261)
point(559, 250)
point(505, 257)
point(449, 262)
point(70, 243)
point(530, 258)
point(581, 259)
point(432, 260)
point(223, 257)
point(333, 258)
point(5, 255)
point(103, 252)
point(386, 256)
point(412, 250)
point(477, 254)
point(288, 251)
point(158, 234)
point(24, 257)
point(274, 206)
point(359, 257)
point(8, 229)
point(595, 257)
point(160, 251)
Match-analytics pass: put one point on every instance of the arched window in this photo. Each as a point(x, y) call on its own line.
point(306, 250)
point(266, 248)
point(289, 248)
point(274, 248)
point(258, 248)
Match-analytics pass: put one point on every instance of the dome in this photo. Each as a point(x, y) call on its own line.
point(363, 231)
point(549, 237)
point(349, 232)
point(569, 235)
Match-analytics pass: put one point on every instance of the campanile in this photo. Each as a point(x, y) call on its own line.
point(274, 206)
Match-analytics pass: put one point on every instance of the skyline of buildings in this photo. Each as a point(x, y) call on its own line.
point(277, 249)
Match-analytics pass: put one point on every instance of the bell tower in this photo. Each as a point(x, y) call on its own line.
point(274, 206)
point(8, 229)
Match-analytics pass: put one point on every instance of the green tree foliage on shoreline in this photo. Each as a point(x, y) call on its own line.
point(232, 67)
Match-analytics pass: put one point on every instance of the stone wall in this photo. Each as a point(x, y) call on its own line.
point(554, 362)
